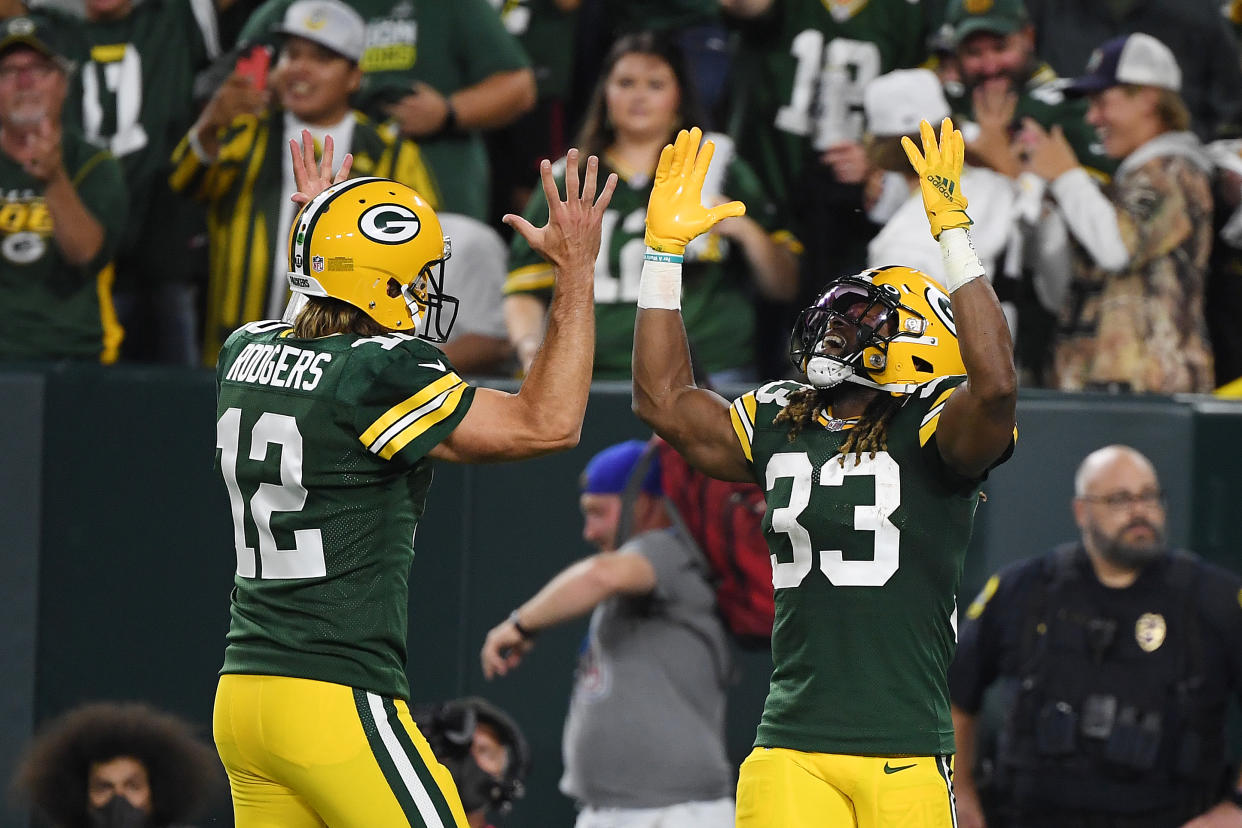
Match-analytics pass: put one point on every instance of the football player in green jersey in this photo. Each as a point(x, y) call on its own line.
point(326, 428)
point(872, 474)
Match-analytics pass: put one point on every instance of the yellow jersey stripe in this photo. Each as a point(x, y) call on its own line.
point(928, 428)
point(742, 415)
point(401, 409)
point(443, 407)
point(113, 333)
point(530, 277)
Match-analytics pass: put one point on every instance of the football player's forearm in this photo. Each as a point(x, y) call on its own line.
point(985, 343)
point(78, 234)
point(964, 740)
point(661, 366)
point(559, 381)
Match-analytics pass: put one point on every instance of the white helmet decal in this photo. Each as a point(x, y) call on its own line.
point(389, 224)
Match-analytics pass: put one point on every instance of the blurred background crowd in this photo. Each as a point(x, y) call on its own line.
point(145, 176)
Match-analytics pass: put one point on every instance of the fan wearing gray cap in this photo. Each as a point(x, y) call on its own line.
point(236, 158)
point(1133, 319)
point(63, 202)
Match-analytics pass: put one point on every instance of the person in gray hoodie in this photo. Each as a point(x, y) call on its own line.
point(1132, 318)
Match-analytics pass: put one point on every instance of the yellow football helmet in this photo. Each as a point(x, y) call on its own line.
point(377, 245)
point(906, 334)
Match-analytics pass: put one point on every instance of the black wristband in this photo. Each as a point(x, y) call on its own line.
point(449, 127)
point(529, 635)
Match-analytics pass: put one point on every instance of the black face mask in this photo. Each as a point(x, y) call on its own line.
point(118, 813)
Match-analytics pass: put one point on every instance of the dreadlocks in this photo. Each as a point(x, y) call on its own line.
point(870, 435)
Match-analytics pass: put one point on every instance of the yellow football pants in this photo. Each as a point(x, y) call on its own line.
point(780, 788)
point(305, 754)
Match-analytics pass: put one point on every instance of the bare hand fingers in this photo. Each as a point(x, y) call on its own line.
point(588, 186)
point(325, 164)
point(308, 150)
point(572, 189)
point(524, 228)
point(601, 203)
point(346, 165)
point(549, 182)
point(299, 169)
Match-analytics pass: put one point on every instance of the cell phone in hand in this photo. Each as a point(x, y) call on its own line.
point(254, 65)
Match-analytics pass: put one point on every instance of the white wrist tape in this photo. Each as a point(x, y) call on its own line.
point(961, 264)
point(660, 283)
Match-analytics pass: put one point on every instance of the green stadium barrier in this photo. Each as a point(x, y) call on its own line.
point(108, 473)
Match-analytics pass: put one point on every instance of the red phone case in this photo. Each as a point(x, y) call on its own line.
point(254, 65)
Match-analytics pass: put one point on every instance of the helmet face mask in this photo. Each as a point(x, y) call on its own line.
point(377, 245)
point(889, 328)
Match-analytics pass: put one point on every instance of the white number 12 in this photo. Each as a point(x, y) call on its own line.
point(305, 559)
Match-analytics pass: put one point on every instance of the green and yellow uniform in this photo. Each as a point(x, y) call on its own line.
point(447, 45)
point(717, 303)
point(802, 73)
point(866, 561)
point(54, 309)
point(546, 33)
point(323, 448)
point(135, 89)
point(244, 189)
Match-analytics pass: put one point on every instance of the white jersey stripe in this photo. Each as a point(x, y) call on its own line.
point(409, 419)
point(422, 800)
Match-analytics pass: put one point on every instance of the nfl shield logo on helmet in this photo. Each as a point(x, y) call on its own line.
point(317, 264)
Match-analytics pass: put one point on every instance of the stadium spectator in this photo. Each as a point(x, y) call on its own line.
point(545, 29)
point(1117, 657)
point(797, 92)
point(235, 158)
point(1133, 319)
point(134, 98)
point(470, 76)
point(484, 750)
point(644, 737)
point(64, 207)
point(1194, 30)
point(872, 473)
point(636, 108)
point(1004, 81)
point(118, 765)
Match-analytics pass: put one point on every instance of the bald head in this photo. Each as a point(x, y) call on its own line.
point(1109, 463)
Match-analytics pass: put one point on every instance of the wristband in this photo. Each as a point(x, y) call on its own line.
point(961, 264)
point(660, 283)
point(528, 635)
point(449, 127)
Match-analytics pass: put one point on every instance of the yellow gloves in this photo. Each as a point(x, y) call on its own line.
point(675, 213)
point(940, 176)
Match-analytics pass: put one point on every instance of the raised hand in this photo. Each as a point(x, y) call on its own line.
point(312, 180)
point(939, 168)
point(571, 238)
point(40, 153)
point(675, 213)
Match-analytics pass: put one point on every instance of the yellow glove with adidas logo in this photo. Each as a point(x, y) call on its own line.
point(940, 175)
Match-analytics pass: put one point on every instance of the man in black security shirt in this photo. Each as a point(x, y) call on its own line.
point(1119, 657)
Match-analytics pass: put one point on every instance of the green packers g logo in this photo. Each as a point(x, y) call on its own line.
point(389, 224)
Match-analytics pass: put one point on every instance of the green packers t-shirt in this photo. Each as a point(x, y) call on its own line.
point(322, 444)
point(447, 45)
point(54, 309)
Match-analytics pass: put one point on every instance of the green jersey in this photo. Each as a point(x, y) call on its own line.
point(136, 92)
point(54, 309)
point(447, 45)
point(717, 306)
point(803, 70)
point(323, 446)
point(866, 560)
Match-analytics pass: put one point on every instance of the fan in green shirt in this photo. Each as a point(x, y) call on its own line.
point(637, 105)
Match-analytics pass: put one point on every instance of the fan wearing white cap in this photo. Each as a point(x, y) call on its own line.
point(1133, 318)
point(235, 156)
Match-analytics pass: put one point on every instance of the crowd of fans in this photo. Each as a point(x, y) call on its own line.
point(145, 176)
